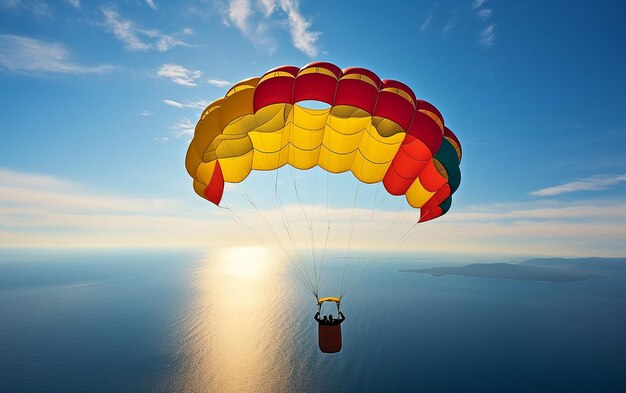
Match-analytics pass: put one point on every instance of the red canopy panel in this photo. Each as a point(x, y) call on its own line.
point(278, 89)
point(430, 210)
point(394, 107)
point(427, 130)
point(442, 194)
point(425, 105)
point(315, 86)
point(396, 184)
point(406, 166)
point(365, 72)
point(323, 64)
point(215, 189)
point(357, 93)
point(390, 83)
point(430, 177)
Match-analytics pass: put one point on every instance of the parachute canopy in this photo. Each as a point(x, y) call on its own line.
point(377, 129)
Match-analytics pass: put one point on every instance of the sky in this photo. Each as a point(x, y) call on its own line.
point(99, 101)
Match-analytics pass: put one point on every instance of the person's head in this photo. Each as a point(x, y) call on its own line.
point(330, 317)
point(326, 317)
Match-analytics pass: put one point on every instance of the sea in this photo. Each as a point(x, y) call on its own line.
point(236, 320)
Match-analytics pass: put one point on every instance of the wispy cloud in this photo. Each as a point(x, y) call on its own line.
point(73, 3)
point(151, 4)
point(175, 104)
point(179, 74)
point(184, 128)
point(575, 229)
point(257, 22)
point(426, 24)
point(595, 183)
point(27, 188)
point(218, 82)
point(124, 30)
point(136, 38)
point(239, 11)
point(24, 55)
point(268, 6)
point(37, 8)
point(484, 14)
point(478, 3)
point(242, 16)
point(448, 27)
point(195, 104)
point(303, 39)
point(44, 211)
point(488, 36)
point(146, 113)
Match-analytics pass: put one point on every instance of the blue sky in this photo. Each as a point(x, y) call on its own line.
point(99, 100)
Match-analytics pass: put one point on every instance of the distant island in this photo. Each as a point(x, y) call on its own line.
point(540, 269)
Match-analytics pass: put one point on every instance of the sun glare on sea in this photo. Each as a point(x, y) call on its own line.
point(227, 340)
point(244, 262)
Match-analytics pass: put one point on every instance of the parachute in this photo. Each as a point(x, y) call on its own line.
point(376, 130)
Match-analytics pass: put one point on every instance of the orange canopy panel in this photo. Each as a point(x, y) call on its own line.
point(329, 338)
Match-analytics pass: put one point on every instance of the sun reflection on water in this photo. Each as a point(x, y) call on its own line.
point(245, 262)
point(234, 337)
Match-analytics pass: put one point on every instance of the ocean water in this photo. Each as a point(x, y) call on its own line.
point(234, 320)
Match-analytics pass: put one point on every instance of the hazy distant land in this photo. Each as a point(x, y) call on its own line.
point(540, 269)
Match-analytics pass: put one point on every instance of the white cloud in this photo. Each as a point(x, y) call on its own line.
point(24, 55)
point(448, 27)
point(426, 24)
point(543, 210)
point(151, 4)
point(19, 188)
point(239, 11)
point(184, 128)
point(146, 113)
point(303, 39)
point(255, 23)
point(73, 3)
point(267, 6)
point(174, 104)
point(488, 36)
point(179, 74)
point(484, 14)
point(478, 3)
point(218, 83)
point(44, 211)
point(195, 104)
point(136, 38)
point(35, 7)
point(551, 228)
point(18, 179)
point(124, 30)
point(240, 14)
point(596, 183)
